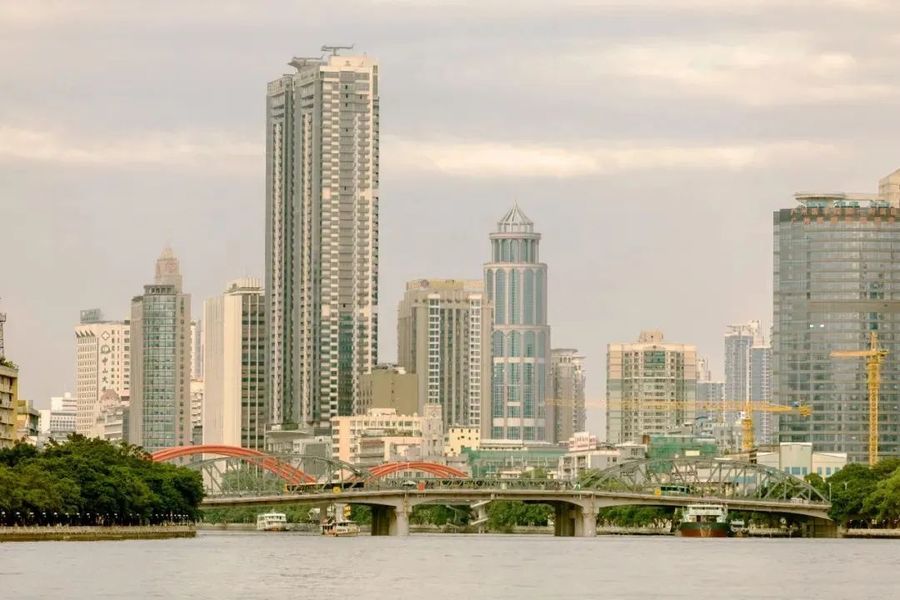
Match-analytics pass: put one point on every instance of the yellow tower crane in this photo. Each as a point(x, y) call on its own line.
point(748, 407)
point(874, 357)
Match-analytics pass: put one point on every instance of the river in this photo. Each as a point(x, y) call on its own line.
point(251, 565)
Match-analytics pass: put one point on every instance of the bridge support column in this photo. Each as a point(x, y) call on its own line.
point(390, 520)
point(574, 520)
point(819, 528)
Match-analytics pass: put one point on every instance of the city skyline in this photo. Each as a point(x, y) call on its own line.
point(707, 204)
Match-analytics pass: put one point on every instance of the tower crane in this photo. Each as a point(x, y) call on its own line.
point(874, 357)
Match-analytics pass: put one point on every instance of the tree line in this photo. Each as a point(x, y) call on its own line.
point(863, 496)
point(93, 482)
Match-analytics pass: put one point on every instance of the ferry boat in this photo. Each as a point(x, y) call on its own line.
point(271, 521)
point(704, 520)
point(336, 528)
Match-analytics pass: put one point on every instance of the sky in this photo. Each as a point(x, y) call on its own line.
point(649, 141)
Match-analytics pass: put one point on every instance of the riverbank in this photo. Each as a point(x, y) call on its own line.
point(95, 534)
point(871, 534)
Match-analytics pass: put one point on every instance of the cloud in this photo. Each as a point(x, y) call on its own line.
point(206, 149)
point(487, 159)
point(763, 70)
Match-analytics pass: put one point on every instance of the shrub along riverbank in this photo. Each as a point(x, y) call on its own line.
point(93, 482)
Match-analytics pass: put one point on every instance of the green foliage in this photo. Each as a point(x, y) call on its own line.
point(636, 516)
point(439, 514)
point(503, 516)
point(92, 481)
point(862, 496)
point(815, 480)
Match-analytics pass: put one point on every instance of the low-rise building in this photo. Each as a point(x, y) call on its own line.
point(9, 396)
point(382, 435)
point(585, 453)
point(798, 458)
point(458, 438)
point(59, 421)
point(111, 417)
point(28, 422)
point(511, 458)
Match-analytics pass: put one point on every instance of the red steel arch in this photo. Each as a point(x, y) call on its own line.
point(426, 467)
point(271, 464)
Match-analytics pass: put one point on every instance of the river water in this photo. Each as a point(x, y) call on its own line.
point(251, 565)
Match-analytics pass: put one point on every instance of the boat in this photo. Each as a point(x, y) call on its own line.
point(704, 520)
point(271, 521)
point(341, 528)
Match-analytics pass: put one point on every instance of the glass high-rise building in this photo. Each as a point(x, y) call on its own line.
point(516, 284)
point(160, 413)
point(321, 238)
point(568, 382)
point(836, 280)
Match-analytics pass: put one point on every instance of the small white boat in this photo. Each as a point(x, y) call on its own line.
point(271, 521)
point(339, 528)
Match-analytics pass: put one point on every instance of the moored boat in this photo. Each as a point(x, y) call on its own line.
point(271, 521)
point(704, 520)
point(334, 528)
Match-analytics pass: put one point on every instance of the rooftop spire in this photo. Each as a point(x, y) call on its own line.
point(168, 269)
point(515, 221)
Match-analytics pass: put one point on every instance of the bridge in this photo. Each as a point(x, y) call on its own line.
point(392, 490)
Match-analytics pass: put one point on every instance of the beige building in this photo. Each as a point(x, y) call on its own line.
point(102, 363)
point(443, 337)
point(233, 405)
point(9, 398)
point(458, 438)
point(381, 435)
point(586, 453)
point(651, 387)
point(28, 422)
point(568, 381)
point(799, 459)
point(160, 410)
point(389, 386)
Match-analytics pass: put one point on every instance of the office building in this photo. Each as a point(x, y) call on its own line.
point(58, 422)
point(321, 250)
point(390, 386)
point(568, 380)
point(9, 398)
point(233, 404)
point(160, 408)
point(836, 281)
point(516, 285)
point(443, 333)
point(651, 387)
point(102, 362)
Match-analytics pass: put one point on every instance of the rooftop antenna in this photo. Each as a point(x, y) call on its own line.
point(2, 321)
point(335, 49)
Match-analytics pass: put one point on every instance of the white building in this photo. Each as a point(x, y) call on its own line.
point(321, 238)
point(586, 453)
point(234, 410)
point(111, 417)
point(798, 459)
point(102, 362)
point(381, 435)
point(58, 422)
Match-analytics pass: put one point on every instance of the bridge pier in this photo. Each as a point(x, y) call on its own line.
point(390, 520)
point(819, 528)
point(574, 520)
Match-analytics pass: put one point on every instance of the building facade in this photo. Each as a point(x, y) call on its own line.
point(233, 403)
point(443, 333)
point(516, 286)
point(651, 387)
point(160, 409)
point(9, 398)
point(739, 339)
point(567, 381)
point(321, 238)
point(102, 362)
point(836, 280)
point(390, 386)
point(761, 391)
point(381, 435)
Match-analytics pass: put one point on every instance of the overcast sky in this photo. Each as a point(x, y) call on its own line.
point(649, 140)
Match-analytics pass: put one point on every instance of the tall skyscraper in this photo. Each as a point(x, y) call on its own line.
point(234, 411)
point(321, 238)
point(761, 391)
point(102, 364)
point(836, 280)
point(568, 380)
point(738, 341)
point(160, 413)
point(443, 332)
point(651, 387)
point(516, 285)
point(197, 349)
